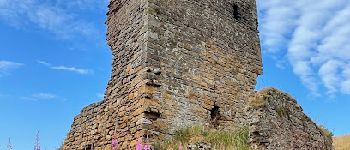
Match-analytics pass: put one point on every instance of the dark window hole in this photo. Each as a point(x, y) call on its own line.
point(215, 113)
point(215, 116)
point(236, 13)
point(89, 147)
point(153, 83)
point(152, 115)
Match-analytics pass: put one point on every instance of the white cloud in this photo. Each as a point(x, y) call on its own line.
point(44, 96)
point(314, 35)
point(278, 19)
point(60, 20)
point(329, 75)
point(7, 66)
point(72, 69)
point(65, 68)
point(345, 86)
point(44, 63)
point(41, 96)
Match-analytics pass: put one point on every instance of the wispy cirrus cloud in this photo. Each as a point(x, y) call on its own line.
point(40, 96)
point(58, 17)
point(7, 66)
point(44, 63)
point(72, 69)
point(313, 36)
point(80, 71)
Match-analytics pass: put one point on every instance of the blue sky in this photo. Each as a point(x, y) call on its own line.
point(54, 60)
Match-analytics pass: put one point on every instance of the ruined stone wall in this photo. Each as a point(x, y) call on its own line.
point(174, 61)
point(278, 123)
point(177, 63)
point(126, 35)
point(84, 127)
point(208, 54)
point(121, 108)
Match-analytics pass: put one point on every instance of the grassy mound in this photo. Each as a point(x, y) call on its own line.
point(197, 136)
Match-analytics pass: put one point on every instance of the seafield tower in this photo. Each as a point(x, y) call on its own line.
point(178, 63)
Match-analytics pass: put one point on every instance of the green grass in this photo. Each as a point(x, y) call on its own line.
point(236, 139)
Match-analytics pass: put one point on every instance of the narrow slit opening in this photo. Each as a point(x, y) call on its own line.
point(89, 147)
point(215, 115)
point(236, 14)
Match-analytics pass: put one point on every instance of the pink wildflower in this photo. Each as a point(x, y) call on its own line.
point(180, 147)
point(115, 144)
point(147, 147)
point(139, 145)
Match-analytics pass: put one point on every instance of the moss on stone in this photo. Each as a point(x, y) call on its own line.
point(152, 11)
point(282, 111)
point(257, 101)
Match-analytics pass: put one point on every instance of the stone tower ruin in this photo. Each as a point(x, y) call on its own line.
point(178, 63)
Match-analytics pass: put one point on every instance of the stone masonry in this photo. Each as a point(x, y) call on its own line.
point(178, 63)
point(278, 123)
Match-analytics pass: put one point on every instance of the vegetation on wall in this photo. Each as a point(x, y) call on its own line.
point(201, 137)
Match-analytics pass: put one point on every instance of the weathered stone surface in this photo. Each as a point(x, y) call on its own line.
point(175, 63)
point(279, 123)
